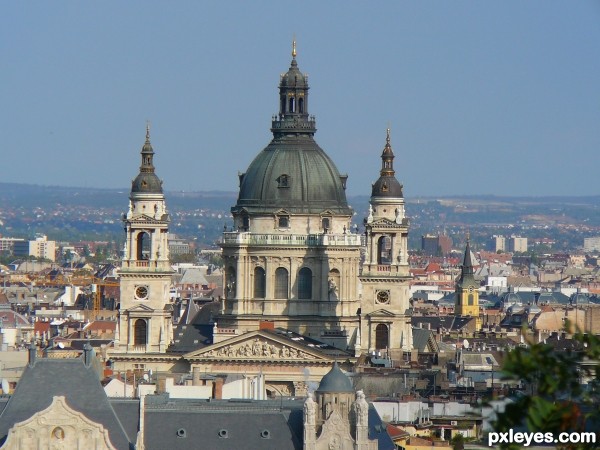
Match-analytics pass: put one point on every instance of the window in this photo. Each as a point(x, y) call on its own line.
point(283, 181)
point(245, 223)
point(259, 282)
point(284, 221)
point(281, 283)
point(292, 104)
point(470, 299)
point(325, 224)
point(384, 250)
point(301, 105)
point(143, 246)
point(305, 283)
point(381, 336)
point(140, 336)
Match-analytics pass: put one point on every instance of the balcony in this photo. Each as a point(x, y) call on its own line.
point(292, 240)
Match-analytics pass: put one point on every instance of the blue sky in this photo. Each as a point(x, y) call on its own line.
point(482, 97)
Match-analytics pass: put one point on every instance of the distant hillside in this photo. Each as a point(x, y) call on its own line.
point(71, 213)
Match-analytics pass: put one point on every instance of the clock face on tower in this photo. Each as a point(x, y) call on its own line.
point(383, 297)
point(141, 292)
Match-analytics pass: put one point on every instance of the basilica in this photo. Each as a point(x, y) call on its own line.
point(302, 287)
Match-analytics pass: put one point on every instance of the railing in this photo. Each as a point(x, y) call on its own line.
point(142, 264)
point(137, 349)
point(304, 240)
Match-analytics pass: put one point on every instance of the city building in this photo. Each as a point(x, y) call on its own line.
point(8, 244)
point(436, 245)
point(498, 243)
point(591, 244)
point(41, 247)
point(517, 244)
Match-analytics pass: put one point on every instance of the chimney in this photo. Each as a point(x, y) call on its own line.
point(218, 388)
point(32, 354)
point(88, 353)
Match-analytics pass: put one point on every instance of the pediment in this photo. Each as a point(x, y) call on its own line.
point(381, 313)
point(140, 308)
point(258, 345)
point(384, 223)
point(58, 426)
point(145, 218)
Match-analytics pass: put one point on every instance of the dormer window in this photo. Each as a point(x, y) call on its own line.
point(283, 181)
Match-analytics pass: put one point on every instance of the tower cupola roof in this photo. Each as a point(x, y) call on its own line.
point(147, 181)
point(387, 185)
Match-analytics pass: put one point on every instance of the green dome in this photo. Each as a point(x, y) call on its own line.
point(295, 174)
point(335, 381)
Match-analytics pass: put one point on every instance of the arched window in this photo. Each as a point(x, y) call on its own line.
point(140, 332)
point(281, 283)
point(282, 105)
point(325, 224)
point(384, 250)
point(470, 299)
point(301, 105)
point(245, 223)
point(143, 246)
point(259, 282)
point(230, 283)
point(381, 336)
point(305, 283)
point(292, 104)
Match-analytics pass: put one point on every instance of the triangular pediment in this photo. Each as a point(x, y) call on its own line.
point(144, 218)
point(258, 345)
point(382, 222)
point(381, 313)
point(282, 212)
point(139, 308)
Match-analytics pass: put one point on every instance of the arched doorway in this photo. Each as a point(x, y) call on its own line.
point(384, 250)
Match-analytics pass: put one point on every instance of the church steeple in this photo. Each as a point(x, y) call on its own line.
point(467, 272)
point(293, 115)
point(147, 182)
point(387, 185)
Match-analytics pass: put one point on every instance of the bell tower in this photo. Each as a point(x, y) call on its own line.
point(145, 322)
point(385, 276)
point(467, 289)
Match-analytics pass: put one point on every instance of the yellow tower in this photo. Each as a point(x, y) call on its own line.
point(467, 290)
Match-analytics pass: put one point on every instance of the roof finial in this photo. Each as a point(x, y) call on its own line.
point(294, 47)
point(387, 139)
point(147, 131)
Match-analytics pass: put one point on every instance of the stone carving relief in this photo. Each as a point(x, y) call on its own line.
point(260, 349)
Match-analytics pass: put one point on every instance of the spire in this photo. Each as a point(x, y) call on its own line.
point(387, 158)
point(467, 266)
point(294, 48)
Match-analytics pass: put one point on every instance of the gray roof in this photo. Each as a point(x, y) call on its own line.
point(335, 381)
point(222, 424)
point(70, 378)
